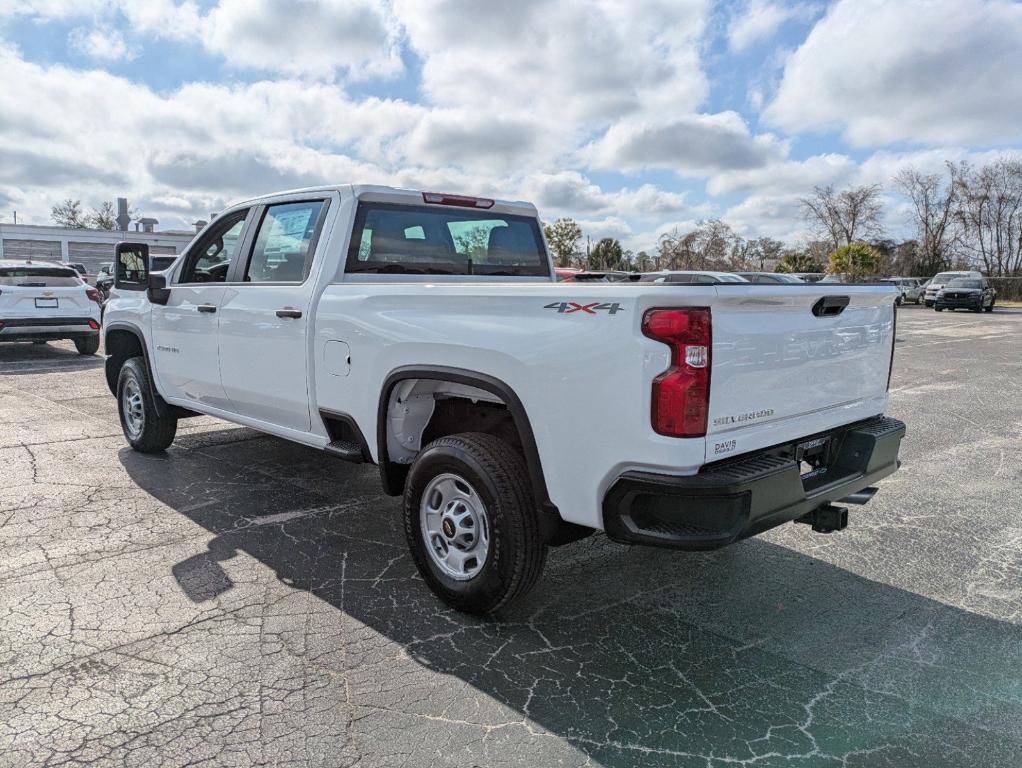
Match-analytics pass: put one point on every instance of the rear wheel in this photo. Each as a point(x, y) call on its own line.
point(88, 345)
point(991, 307)
point(144, 428)
point(471, 523)
point(939, 309)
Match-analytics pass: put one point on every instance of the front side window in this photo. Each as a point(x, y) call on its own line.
point(400, 239)
point(283, 247)
point(210, 260)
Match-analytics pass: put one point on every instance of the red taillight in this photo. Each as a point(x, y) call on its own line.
point(894, 339)
point(92, 293)
point(464, 201)
point(681, 394)
point(94, 325)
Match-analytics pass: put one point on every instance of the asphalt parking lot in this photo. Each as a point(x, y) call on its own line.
point(245, 601)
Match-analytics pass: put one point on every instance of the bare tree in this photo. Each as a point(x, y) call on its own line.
point(102, 217)
point(712, 245)
point(933, 213)
point(846, 216)
point(989, 210)
point(68, 214)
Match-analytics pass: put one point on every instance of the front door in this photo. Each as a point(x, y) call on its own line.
point(264, 320)
point(185, 329)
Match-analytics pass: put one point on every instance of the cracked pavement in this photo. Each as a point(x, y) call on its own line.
point(245, 601)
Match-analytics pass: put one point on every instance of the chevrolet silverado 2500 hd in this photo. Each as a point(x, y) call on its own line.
point(426, 333)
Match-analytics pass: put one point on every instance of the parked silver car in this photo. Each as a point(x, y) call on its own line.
point(910, 289)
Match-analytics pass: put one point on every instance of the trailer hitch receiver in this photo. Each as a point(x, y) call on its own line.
point(826, 519)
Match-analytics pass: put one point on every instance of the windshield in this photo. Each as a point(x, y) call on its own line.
point(960, 283)
point(946, 277)
point(404, 239)
point(39, 277)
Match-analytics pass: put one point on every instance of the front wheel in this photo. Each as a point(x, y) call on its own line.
point(989, 308)
point(471, 523)
point(939, 309)
point(87, 346)
point(144, 428)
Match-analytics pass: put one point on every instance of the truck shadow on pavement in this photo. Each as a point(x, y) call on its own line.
point(629, 655)
point(53, 357)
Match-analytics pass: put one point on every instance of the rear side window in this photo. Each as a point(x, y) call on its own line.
point(284, 245)
point(401, 239)
point(39, 277)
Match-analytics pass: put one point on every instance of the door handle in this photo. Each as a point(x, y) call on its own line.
point(289, 312)
point(206, 307)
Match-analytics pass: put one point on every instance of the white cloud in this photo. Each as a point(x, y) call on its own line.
point(314, 37)
point(569, 62)
point(760, 20)
point(784, 175)
point(572, 194)
point(692, 145)
point(925, 71)
point(101, 42)
point(777, 216)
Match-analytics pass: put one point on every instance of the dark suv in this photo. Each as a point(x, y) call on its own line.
point(966, 293)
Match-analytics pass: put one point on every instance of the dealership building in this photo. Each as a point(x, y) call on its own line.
point(91, 247)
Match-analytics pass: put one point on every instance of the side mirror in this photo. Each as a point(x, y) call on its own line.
point(157, 290)
point(131, 266)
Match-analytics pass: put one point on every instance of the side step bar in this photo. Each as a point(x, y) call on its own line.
point(345, 449)
point(860, 497)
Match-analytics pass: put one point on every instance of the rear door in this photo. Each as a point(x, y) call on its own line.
point(265, 317)
point(184, 330)
point(814, 355)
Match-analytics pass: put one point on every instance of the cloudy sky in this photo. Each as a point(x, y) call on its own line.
point(632, 117)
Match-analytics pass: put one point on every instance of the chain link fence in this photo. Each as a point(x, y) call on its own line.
point(1008, 288)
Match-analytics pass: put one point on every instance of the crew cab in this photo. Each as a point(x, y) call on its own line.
point(426, 333)
point(45, 301)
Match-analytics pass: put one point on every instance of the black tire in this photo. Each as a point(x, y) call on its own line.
point(87, 346)
point(497, 473)
point(156, 432)
point(928, 303)
point(919, 300)
point(991, 307)
point(939, 309)
point(39, 342)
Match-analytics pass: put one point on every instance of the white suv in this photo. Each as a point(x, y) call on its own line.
point(45, 301)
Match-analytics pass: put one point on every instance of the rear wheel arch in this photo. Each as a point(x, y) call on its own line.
point(393, 473)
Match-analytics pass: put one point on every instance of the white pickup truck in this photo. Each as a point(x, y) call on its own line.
point(426, 333)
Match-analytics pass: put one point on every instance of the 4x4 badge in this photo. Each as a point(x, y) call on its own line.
point(568, 307)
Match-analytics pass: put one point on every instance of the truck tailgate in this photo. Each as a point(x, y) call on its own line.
point(777, 361)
